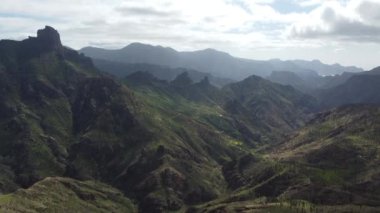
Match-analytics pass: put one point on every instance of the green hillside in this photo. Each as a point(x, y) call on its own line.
point(331, 164)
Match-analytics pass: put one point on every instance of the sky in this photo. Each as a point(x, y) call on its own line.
point(333, 31)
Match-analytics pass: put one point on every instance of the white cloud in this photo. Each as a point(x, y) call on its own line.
point(136, 19)
point(356, 20)
point(242, 27)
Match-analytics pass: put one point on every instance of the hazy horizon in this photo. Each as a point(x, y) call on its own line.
point(332, 31)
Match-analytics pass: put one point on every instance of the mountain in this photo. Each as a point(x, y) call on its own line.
point(60, 116)
point(302, 66)
point(136, 53)
point(216, 63)
point(374, 71)
point(324, 69)
point(351, 88)
point(210, 61)
point(268, 107)
point(205, 119)
point(70, 134)
point(336, 80)
point(310, 82)
point(357, 89)
point(289, 78)
point(162, 144)
point(338, 90)
point(267, 110)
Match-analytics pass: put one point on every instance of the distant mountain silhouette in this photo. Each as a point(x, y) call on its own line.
point(309, 82)
point(374, 71)
point(338, 90)
point(359, 89)
point(217, 63)
point(288, 78)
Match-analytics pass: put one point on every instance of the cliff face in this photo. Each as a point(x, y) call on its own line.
point(47, 40)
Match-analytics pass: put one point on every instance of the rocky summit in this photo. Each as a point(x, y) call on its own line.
point(50, 38)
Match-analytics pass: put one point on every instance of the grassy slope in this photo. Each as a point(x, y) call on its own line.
point(333, 163)
point(66, 195)
point(36, 127)
point(343, 141)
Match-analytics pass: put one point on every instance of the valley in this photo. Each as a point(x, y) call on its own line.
point(165, 137)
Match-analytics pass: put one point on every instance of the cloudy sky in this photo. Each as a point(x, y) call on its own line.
point(343, 31)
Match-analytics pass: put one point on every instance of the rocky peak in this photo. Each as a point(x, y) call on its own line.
point(47, 40)
point(182, 79)
point(50, 37)
point(205, 81)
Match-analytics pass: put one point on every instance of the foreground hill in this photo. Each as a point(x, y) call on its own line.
point(66, 195)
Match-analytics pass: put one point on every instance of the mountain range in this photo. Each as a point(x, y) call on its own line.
point(74, 138)
point(214, 62)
